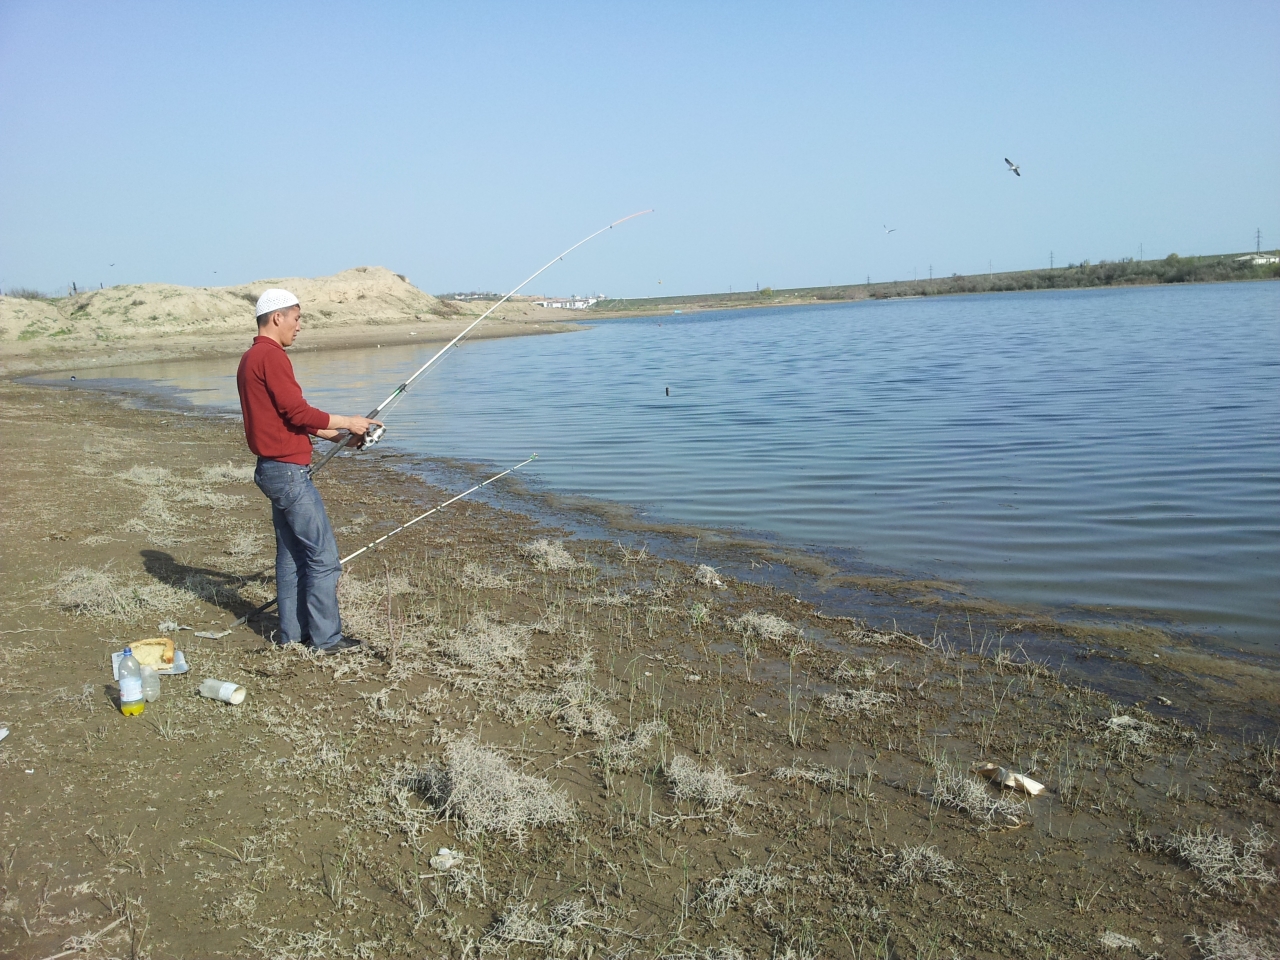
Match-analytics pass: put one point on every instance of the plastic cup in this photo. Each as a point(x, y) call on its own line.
point(223, 690)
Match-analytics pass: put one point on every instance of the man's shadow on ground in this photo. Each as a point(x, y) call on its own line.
point(219, 587)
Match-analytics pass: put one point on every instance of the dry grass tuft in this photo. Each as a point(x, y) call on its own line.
point(727, 950)
point(1223, 864)
point(549, 555)
point(292, 945)
point(707, 576)
point(94, 593)
point(764, 627)
point(1118, 941)
point(856, 671)
point(911, 865)
point(486, 645)
point(1129, 731)
point(1269, 772)
point(626, 752)
point(244, 545)
point(857, 701)
point(828, 777)
point(1230, 942)
point(228, 472)
point(576, 705)
point(520, 925)
point(477, 786)
point(483, 578)
point(712, 788)
point(1123, 733)
point(147, 476)
point(721, 894)
point(954, 788)
point(155, 518)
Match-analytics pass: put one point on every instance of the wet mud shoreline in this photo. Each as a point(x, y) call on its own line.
point(625, 752)
point(1124, 656)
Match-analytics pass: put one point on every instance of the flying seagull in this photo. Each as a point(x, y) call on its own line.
point(1013, 167)
point(887, 229)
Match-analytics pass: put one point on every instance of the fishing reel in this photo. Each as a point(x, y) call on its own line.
point(371, 436)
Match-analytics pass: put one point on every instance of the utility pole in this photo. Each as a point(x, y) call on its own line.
point(1050, 259)
point(868, 279)
point(988, 269)
point(931, 273)
point(1257, 240)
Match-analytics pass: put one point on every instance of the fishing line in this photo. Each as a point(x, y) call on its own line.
point(404, 526)
point(376, 434)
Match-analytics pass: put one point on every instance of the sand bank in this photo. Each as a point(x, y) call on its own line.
point(131, 323)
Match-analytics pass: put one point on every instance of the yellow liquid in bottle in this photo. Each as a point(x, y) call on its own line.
point(132, 709)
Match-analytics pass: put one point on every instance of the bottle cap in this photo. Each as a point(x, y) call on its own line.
point(128, 651)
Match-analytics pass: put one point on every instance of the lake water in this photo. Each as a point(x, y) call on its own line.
point(1103, 449)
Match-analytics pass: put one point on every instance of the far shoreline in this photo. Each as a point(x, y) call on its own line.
point(25, 358)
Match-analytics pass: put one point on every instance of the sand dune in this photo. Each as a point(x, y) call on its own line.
point(365, 295)
point(160, 319)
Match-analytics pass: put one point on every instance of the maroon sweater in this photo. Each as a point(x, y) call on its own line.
point(278, 422)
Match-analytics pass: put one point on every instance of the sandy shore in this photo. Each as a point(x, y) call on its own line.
point(625, 756)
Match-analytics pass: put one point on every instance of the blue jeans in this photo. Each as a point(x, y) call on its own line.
point(307, 565)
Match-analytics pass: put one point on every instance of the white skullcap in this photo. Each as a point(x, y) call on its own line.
point(273, 300)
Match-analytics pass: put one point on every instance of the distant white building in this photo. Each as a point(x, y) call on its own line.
point(1260, 258)
point(571, 303)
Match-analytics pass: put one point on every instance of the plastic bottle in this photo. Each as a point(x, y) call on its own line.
point(150, 684)
point(130, 673)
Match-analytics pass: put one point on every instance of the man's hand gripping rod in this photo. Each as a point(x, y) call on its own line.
point(376, 433)
point(405, 526)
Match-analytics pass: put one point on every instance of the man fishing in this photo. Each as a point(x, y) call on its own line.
point(278, 425)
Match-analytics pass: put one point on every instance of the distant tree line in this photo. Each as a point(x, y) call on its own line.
point(1104, 273)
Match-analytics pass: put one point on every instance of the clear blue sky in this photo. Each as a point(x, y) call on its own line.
point(465, 144)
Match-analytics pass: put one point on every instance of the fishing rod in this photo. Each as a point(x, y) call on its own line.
point(404, 526)
point(376, 433)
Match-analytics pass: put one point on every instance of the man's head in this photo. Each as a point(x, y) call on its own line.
point(279, 316)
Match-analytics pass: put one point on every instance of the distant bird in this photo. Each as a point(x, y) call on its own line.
point(110, 264)
point(888, 230)
point(1013, 167)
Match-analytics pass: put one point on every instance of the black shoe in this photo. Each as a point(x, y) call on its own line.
point(344, 643)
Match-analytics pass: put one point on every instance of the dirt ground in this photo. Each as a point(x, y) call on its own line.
point(623, 755)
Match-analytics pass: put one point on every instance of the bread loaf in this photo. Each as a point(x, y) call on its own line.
point(157, 653)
